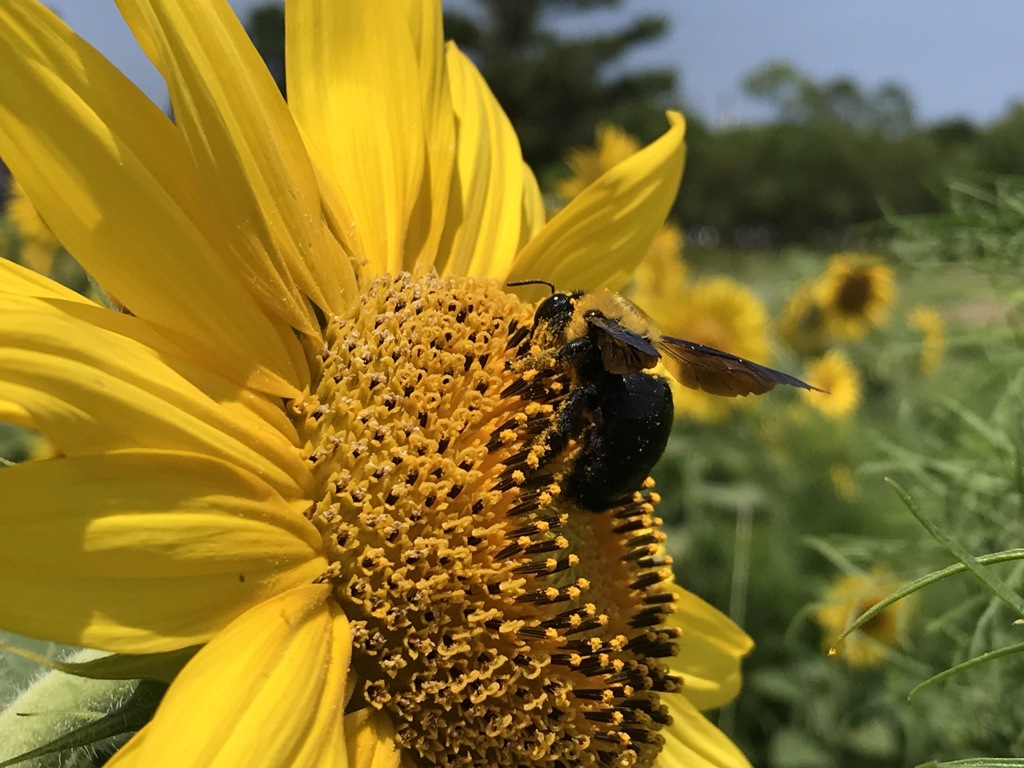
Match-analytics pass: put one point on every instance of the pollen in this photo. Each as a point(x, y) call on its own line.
point(494, 621)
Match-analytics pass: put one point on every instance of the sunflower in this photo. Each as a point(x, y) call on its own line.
point(855, 294)
point(848, 597)
point(802, 323)
point(929, 322)
point(612, 146)
point(718, 312)
point(36, 242)
point(663, 271)
point(843, 482)
point(307, 446)
point(834, 374)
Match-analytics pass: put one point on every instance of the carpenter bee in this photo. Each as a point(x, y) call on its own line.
point(620, 414)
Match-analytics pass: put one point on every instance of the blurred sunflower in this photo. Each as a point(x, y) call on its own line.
point(835, 375)
point(718, 312)
point(802, 323)
point(663, 271)
point(306, 446)
point(929, 322)
point(848, 597)
point(587, 164)
point(855, 294)
point(843, 482)
point(37, 244)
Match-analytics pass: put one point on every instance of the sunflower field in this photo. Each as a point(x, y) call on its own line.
point(368, 549)
point(878, 503)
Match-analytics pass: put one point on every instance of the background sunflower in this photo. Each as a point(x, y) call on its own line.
point(855, 294)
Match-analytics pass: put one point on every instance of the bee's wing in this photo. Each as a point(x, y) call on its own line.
point(720, 373)
point(622, 350)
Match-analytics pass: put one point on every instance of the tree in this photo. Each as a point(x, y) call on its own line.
point(836, 155)
point(265, 26)
point(555, 88)
point(1001, 145)
point(797, 99)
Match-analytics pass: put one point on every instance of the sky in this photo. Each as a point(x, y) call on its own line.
point(955, 58)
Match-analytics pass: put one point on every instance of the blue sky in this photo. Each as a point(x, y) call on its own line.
point(955, 58)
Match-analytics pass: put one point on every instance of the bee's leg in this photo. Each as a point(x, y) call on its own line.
point(574, 351)
point(568, 356)
point(568, 423)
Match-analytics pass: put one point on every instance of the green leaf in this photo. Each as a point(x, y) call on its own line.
point(136, 711)
point(924, 581)
point(163, 667)
point(997, 588)
point(977, 762)
point(976, 661)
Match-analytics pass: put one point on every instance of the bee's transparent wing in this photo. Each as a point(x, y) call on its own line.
point(720, 373)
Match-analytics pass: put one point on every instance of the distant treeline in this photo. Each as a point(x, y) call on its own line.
point(834, 157)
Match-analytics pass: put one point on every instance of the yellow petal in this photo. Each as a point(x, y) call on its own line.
point(354, 87)
point(597, 240)
point(111, 176)
point(90, 386)
point(486, 204)
point(268, 692)
point(370, 740)
point(18, 280)
point(23, 281)
point(143, 551)
point(431, 211)
point(711, 649)
point(692, 741)
point(534, 214)
point(255, 174)
point(11, 413)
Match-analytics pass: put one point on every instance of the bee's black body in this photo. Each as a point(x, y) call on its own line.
point(620, 415)
point(631, 422)
point(621, 421)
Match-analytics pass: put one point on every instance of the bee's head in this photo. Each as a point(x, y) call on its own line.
point(555, 306)
point(553, 315)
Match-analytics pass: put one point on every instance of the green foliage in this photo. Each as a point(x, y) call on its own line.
point(51, 719)
point(803, 182)
point(965, 475)
point(796, 99)
point(764, 531)
point(265, 26)
point(833, 158)
point(982, 225)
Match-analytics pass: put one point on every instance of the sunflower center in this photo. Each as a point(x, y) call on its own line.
point(496, 622)
point(854, 293)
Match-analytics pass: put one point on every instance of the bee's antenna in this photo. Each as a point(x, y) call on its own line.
point(518, 283)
